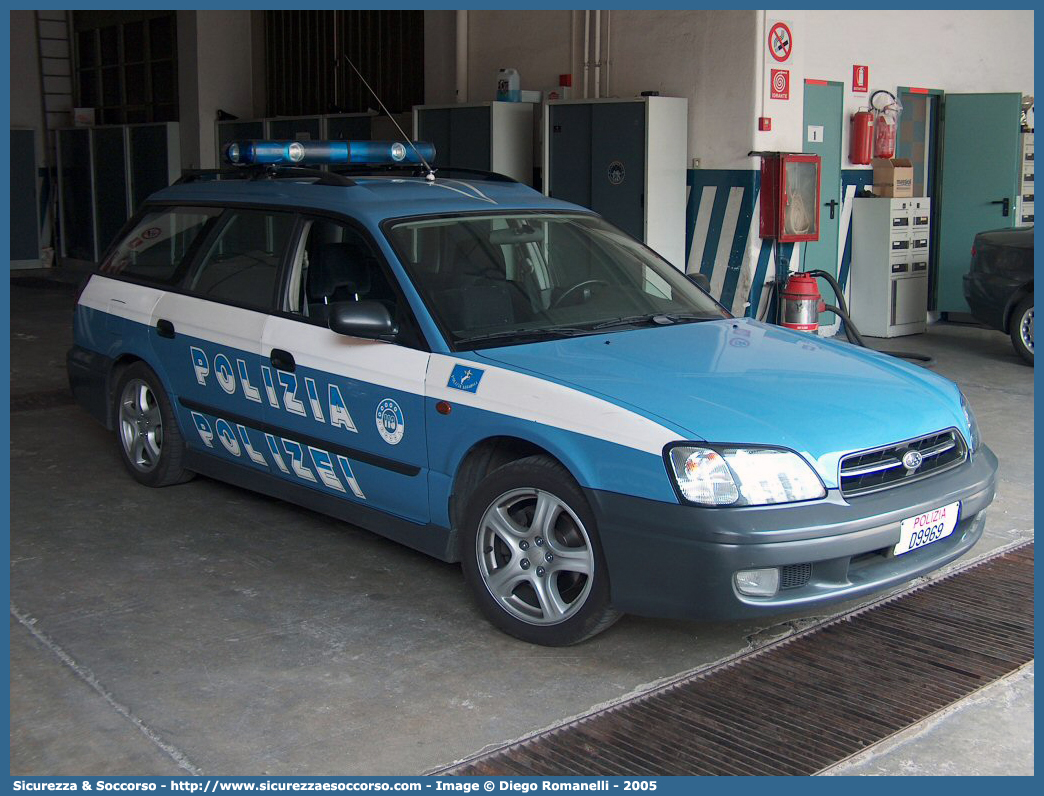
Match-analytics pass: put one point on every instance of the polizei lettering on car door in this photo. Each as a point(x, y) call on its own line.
point(308, 463)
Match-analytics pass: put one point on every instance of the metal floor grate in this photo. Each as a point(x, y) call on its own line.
point(806, 702)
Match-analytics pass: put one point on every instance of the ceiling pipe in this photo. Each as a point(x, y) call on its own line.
point(597, 54)
point(608, 44)
point(462, 56)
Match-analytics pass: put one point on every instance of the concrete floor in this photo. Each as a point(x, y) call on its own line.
point(208, 629)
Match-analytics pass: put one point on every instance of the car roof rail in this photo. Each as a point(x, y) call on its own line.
point(265, 172)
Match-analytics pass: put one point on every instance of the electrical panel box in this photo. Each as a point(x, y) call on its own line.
point(104, 174)
point(626, 160)
point(1024, 203)
point(888, 283)
point(487, 136)
point(790, 196)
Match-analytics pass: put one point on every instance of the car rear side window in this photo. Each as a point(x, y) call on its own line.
point(157, 247)
point(242, 265)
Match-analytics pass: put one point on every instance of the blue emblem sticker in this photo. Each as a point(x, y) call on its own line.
point(465, 378)
point(391, 425)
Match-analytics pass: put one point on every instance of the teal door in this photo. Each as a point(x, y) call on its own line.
point(824, 109)
point(978, 181)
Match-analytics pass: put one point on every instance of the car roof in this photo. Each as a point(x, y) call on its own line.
point(375, 198)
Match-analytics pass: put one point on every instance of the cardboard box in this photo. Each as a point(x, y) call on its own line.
point(893, 177)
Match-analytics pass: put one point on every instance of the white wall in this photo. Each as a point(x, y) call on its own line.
point(704, 56)
point(215, 70)
point(26, 101)
point(440, 65)
point(956, 51)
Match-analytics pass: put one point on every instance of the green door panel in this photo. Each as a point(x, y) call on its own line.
point(824, 107)
point(980, 165)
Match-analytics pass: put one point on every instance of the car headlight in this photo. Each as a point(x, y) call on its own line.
point(735, 476)
point(975, 438)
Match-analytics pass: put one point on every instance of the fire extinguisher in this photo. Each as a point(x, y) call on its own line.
point(886, 119)
point(861, 140)
point(801, 303)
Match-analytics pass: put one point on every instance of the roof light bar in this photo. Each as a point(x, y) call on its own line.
point(310, 153)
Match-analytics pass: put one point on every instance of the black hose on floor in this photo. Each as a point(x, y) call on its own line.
point(852, 333)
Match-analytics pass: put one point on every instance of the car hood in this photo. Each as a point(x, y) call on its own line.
point(741, 381)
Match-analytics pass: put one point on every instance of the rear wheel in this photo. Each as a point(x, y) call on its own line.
point(1021, 329)
point(532, 556)
point(151, 444)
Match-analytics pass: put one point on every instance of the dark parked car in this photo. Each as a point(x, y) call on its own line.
point(999, 286)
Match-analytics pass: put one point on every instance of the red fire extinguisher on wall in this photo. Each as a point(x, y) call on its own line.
point(801, 303)
point(861, 140)
point(886, 120)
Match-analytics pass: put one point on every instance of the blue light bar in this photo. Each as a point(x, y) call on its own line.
point(310, 153)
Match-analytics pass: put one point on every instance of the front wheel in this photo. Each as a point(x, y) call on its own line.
point(151, 444)
point(1022, 329)
point(531, 555)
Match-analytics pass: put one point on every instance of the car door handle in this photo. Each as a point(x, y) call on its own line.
point(165, 328)
point(1006, 205)
point(283, 360)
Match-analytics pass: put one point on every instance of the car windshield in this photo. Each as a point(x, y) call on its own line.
point(502, 279)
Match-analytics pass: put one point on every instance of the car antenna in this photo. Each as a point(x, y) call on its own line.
point(430, 175)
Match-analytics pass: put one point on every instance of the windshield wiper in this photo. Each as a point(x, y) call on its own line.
point(658, 318)
point(524, 334)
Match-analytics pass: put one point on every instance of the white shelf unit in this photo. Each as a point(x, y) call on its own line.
point(889, 276)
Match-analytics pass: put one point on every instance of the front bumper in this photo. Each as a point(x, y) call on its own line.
point(677, 561)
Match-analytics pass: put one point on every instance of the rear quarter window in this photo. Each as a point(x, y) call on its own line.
point(156, 248)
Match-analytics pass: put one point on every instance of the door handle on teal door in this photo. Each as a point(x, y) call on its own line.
point(1005, 205)
point(833, 203)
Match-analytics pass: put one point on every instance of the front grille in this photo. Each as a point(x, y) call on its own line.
point(883, 468)
point(794, 576)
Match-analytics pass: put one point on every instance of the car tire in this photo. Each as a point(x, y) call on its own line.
point(532, 557)
point(1021, 329)
point(150, 442)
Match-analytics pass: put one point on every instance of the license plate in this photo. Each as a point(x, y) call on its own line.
point(916, 532)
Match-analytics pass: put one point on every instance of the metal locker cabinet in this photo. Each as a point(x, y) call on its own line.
point(295, 128)
point(25, 200)
point(488, 136)
point(469, 139)
point(76, 194)
point(570, 153)
point(154, 152)
point(348, 127)
point(109, 147)
point(618, 165)
point(634, 153)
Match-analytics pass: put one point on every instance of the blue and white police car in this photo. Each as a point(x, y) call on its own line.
point(505, 380)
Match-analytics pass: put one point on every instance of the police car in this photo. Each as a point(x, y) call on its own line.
point(493, 377)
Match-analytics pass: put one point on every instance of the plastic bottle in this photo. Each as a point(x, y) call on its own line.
point(509, 88)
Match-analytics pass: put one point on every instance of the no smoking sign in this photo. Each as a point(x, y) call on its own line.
point(780, 42)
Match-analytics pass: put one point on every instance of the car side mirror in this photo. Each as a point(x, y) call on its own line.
point(701, 281)
point(368, 319)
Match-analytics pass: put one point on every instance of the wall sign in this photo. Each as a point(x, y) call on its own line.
point(780, 42)
point(815, 134)
point(780, 84)
point(860, 77)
